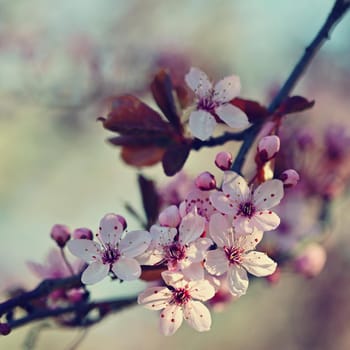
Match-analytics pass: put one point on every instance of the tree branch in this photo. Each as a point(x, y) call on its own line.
point(338, 11)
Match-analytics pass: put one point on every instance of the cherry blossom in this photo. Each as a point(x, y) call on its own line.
point(235, 255)
point(214, 102)
point(115, 253)
point(250, 209)
point(179, 301)
point(181, 249)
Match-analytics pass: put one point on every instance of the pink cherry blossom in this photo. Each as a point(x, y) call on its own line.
point(179, 302)
point(181, 249)
point(115, 253)
point(235, 255)
point(213, 102)
point(250, 209)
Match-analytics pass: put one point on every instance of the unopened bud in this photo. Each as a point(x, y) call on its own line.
point(223, 160)
point(83, 233)
point(268, 147)
point(311, 261)
point(205, 181)
point(60, 234)
point(5, 329)
point(170, 216)
point(289, 178)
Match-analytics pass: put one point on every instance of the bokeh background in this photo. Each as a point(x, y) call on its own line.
point(59, 61)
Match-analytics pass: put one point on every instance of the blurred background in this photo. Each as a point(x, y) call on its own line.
point(59, 61)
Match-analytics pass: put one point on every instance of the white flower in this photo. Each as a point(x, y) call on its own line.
point(182, 249)
point(236, 255)
point(178, 302)
point(214, 102)
point(115, 252)
point(250, 210)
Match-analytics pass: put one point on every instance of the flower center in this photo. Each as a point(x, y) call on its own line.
point(234, 254)
point(180, 296)
point(207, 104)
point(110, 255)
point(246, 209)
point(174, 251)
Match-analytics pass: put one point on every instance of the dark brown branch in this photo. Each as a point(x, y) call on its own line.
point(338, 11)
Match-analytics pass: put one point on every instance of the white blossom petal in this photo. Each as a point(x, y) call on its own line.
point(174, 279)
point(216, 262)
point(85, 249)
point(134, 243)
point(243, 225)
point(197, 315)
point(94, 273)
point(232, 116)
point(227, 89)
point(127, 269)
point(259, 264)
point(198, 82)
point(201, 290)
point(194, 271)
point(162, 235)
point(220, 229)
point(235, 186)
point(266, 220)
point(268, 194)
point(237, 279)
point(222, 203)
point(111, 229)
point(191, 228)
point(155, 298)
point(171, 319)
point(249, 242)
point(202, 124)
point(196, 250)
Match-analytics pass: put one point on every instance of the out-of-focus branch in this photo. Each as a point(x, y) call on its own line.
point(338, 11)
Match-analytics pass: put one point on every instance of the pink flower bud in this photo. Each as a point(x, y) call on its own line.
point(5, 329)
point(223, 160)
point(290, 178)
point(170, 216)
point(311, 261)
point(60, 234)
point(205, 181)
point(268, 147)
point(83, 233)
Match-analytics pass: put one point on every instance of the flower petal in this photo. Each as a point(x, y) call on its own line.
point(127, 269)
point(268, 194)
point(191, 228)
point(196, 250)
point(94, 273)
point(155, 298)
point(198, 82)
point(222, 203)
point(237, 279)
point(232, 116)
point(259, 264)
point(174, 279)
point(235, 186)
point(111, 229)
point(197, 315)
point(201, 290)
point(216, 262)
point(162, 235)
point(249, 242)
point(85, 249)
point(194, 271)
point(171, 319)
point(202, 124)
point(227, 89)
point(220, 229)
point(266, 220)
point(134, 243)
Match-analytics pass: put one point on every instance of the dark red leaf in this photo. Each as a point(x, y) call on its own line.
point(142, 156)
point(175, 157)
point(130, 116)
point(254, 110)
point(294, 104)
point(150, 199)
point(130, 140)
point(163, 93)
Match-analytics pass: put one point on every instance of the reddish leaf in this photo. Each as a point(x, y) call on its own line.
point(254, 110)
point(142, 156)
point(175, 157)
point(163, 93)
point(150, 199)
point(128, 140)
point(294, 104)
point(130, 116)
